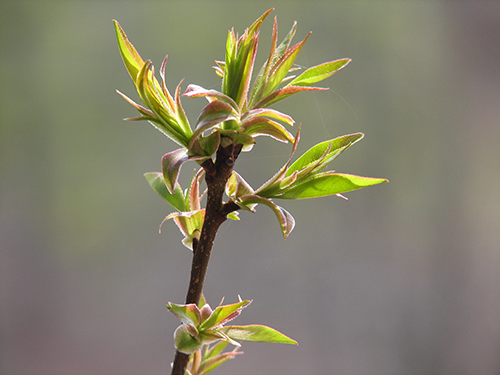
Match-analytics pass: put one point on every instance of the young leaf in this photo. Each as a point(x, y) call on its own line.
point(166, 119)
point(256, 333)
point(185, 341)
point(329, 183)
point(266, 112)
point(264, 126)
point(171, 164)
point(336, 147)
point(237, 186)
point(282, 66)
point(222, 313)
point(131, 58)
point(188, 314)
point(286, 220)
point(190, 224)
point(195, 91)
point(212, 115)
point(213, 362)
point(319, 72)
point(175, 199)
point(283, 93)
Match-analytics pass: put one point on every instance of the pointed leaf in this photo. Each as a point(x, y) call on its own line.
point(164, 89)
point(270, 184)
point(195, 91)
point(284, 93)
point(193, 198)
point(282, 66)
point(256, 333)
point(213, 362)
point(131, 58)
point(184, 341)
point(188, 314)
point(181, 117)
point(265, 126)
point(319, 72)
point(205, 146)
point(259, 83)
point(167, 122)
point(211, 335)
point(171, 164)
point(329, 183)
point(176, 200)
point(286, 220)
point(189, 223)
point(212, 115)
point(214, 350)
point(266, 112)
point(237, 186)
point(285, 44)
point(148, 114)
point(327, 151)
point(222, 313)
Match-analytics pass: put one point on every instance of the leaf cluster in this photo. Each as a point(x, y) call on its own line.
point(201, 326)
point(236, 115)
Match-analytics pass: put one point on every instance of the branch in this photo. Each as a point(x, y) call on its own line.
point(215, 215)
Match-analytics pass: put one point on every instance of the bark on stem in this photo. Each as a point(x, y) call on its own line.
point(216, 176)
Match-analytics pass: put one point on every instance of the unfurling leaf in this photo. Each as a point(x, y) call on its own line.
point(131, 58)
point(257, 333)
point(324, 153)
point(223, 314)
point(188, 314)
point(175, 199)
point(326, 184)
point(286, 220)
point(319, 72)
point(185, 341)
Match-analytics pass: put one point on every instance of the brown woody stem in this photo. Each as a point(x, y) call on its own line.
point(216, 178)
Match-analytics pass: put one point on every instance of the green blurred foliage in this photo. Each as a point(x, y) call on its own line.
point(406, 274)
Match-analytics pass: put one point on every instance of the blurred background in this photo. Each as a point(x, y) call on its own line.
point(403, 278)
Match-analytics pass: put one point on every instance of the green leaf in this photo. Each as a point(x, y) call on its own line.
point(233, 216)
point(190, 224)
point(324, 152)
point(326, 184)
point(213, 360)
point(185, 341)
point(286, 220)
point(195, 91)
point(285, 44)
point(237, 186)
point(166, 120)
point(205, 146)
point(239, 61)
point(284, 93)
point(188, 314)
point(181, 117)
point(319, 72)
point(266, 112)
point(222, 313)
point(282, 66)
point(265, 126)
point(256, 333)
point(214, 350)
point(212, 115)
point(192, 199)
point(145, 112)
point(175, 199)
point(171, 164)
point(271, 184)
point(131, 58)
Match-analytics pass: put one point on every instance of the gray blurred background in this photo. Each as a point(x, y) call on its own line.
point(403, 278)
